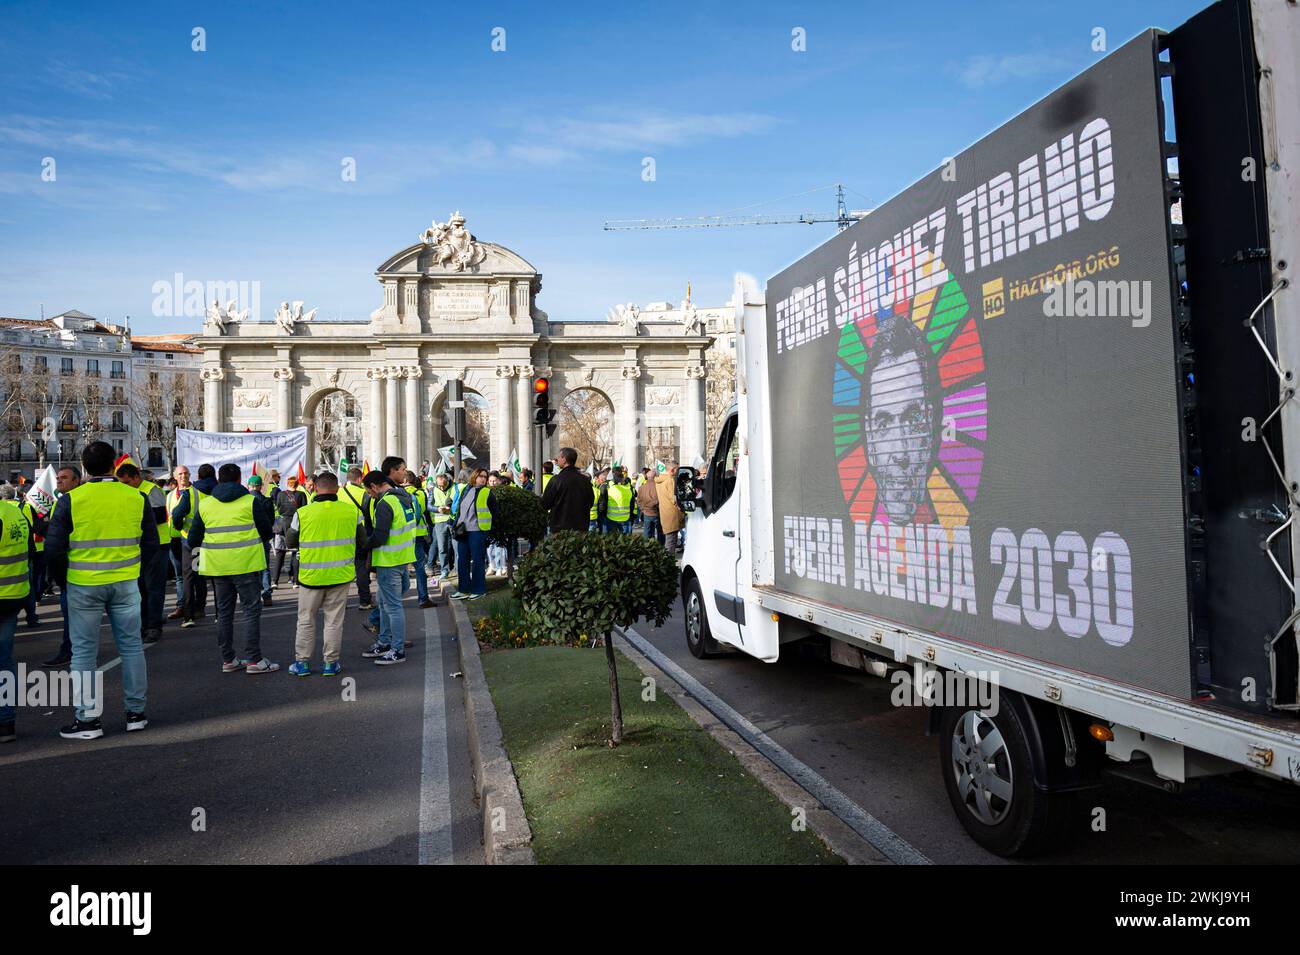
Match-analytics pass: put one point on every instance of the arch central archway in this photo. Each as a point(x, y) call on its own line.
point(334, 428)
point(585, 422)
point(478, 425)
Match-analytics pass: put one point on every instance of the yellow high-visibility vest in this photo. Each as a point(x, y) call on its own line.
point(104, 546)
point(231, 544)
point(327, 543)
point(15, 580)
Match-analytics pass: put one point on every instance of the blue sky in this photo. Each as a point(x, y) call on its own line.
point(225, 165)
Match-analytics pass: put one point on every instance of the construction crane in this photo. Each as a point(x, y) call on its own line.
point(843, 218)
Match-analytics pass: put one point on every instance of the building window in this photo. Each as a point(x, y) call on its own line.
point(15, 450)
point(69, 422)
point(92, 367)
point(119, 424)
point(42, 364)
point(153, 379)
point(65, 449)
point(66, 366)
point(117, 371)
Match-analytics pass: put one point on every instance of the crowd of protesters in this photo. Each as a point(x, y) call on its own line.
point(115, 541)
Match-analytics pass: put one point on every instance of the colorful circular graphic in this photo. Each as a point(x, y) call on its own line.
point(911, 407)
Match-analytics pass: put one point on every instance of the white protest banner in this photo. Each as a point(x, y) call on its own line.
point(280, 451)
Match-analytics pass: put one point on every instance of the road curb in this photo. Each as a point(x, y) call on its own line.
point(829, 828)
point(507, 837)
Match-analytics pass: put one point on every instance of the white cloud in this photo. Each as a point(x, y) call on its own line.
point(984, 70)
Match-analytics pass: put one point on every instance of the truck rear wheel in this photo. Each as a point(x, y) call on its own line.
point(988, 772)
point(698, 641)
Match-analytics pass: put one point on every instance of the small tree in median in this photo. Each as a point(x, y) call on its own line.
point(519, 513)
point(591, 583)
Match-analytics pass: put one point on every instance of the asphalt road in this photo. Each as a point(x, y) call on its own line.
point(840, 722)
point(280, 769)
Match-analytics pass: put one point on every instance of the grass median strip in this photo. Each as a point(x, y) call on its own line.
point(669, 794)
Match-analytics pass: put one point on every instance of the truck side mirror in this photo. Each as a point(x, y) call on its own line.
point(685, 487)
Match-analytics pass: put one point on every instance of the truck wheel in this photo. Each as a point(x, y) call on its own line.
point(701, 645)
point(989, 776)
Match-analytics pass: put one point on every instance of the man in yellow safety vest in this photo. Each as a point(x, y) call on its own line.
point(355, 492)
point(230, 533)
point(392, 551)
point(101, 533)
point(326, 533)
point(153, 577)
point(441, 503)
point(16, 552)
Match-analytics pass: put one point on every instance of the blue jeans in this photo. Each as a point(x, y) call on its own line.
point(8, 627)
point(421, 555)
point(652, 528)
point(616, 527)
point(244, 589)
point(471, 563)
point(391, 583)
point(444, 551)
point(65, 648)
point(174, 554)
point(87, 605)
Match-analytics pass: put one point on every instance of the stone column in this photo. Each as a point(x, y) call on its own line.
point(283, 398)
point(392, 416)
point(213, 413)
point(502, 432)
point(629, 420)
point(524, 426)
point(375, 428)
point(693, 426)
point(413, 451)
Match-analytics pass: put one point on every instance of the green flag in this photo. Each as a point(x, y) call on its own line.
point(660, 467)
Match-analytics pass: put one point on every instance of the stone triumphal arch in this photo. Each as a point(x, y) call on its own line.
point(454, 307)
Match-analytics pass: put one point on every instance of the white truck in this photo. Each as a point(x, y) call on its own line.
point(1029, 423)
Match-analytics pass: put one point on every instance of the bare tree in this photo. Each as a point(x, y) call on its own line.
point(34, 402)
point(721, 382)
point(585, 424)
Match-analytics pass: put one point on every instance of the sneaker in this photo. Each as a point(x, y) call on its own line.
point(391, 657)
point(458, 595)
point(57, 661)
point(331, 669)
point(366, 606)
point(445, 575)
point(152, 636)
point(187, 623)
point(234, 666)
point(473, 596)
point(7, 732)
point(299, 668)
point(82, 729)
point(33, 622)
point(176, 614)
point(262, 666)
point(274, 585)
point(376, 649)
point(266, 600)
point(426, 603)
point(135, 721)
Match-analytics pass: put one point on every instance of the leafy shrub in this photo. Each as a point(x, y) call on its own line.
point(576, 584)
point(502, 626)
point(519, 514)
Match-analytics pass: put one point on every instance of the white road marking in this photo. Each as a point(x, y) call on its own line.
point(890, 843)
point(435, 782)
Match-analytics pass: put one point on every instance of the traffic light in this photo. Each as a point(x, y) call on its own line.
point(543, 414)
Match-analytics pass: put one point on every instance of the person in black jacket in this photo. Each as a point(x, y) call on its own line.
point(568, 497)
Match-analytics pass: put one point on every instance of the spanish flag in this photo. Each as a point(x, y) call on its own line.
point(123, 458)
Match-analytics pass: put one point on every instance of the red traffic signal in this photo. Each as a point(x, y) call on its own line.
point(542, 385)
